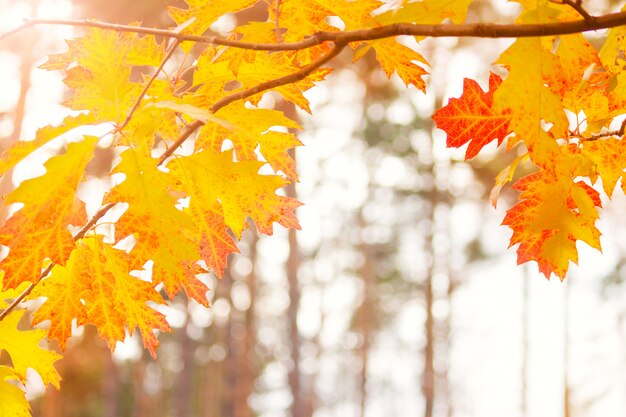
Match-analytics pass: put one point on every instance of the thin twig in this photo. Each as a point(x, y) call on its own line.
point(288, 79)
point(474, 30)
point(279, 36)
point(188, 132)
point(81, 233)
point(240, 95)
point(578, 6)
point(145, 89)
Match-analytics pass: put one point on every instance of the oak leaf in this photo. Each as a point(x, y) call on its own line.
point(105, 294)
point(472, 118)
point(24, 350)
point(553, 213)
point(239, 188)
point(153, 219)
point(12, 399)
point(39, 230)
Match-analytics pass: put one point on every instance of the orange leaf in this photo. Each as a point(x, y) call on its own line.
point(154, 220)
point(106, 295)
point(238, 187)
point(609, 157)
point(553, 213)
point(472, 118)
point(39, 230)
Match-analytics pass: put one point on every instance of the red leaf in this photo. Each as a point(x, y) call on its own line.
point(471, 118)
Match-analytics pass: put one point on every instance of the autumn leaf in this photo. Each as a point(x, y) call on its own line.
point(426, 12)
point(153, 219)
point(21, 149)
point(64, 290)
point(472, 118)
point(531, 104)
point(251, 128)
point(24, 350)
point(505, 176)
point(39, 230)
point(240, 189)
point(554, 212)
point(395, 57)
point(12, 399)
point(98, 68)
point(609, 157)
point(201, 14)
point(104, 294)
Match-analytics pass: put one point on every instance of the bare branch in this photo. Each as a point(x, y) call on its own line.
point(474, 30)
point(81, 233)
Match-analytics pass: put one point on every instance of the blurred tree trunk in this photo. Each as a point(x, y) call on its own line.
point(227, 376)
point(428, 376)
point(142, 401)
point(566, 341)
point(249, 367)
point(525, 342)
point(428, 373)
point(293, 266)
point(111, 387)
point(366, 316)
point(50, 404)
point(26, 66)
point(183, 390)
point(244, 340)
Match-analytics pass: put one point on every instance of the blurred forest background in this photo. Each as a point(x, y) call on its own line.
point(397, 298)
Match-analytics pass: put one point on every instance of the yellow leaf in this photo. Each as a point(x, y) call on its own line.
point(64, 289)
point(104, 294)
point(609, 157)
point(395, 57)
point(553, 213)
point(23, 348)
point(530, 102)
point(427, 12)
point(116, 299)
point(505, 176)
point(267, 67)
point(154, 220)
point(22, 149)
point(98, 68)
point(240, 190)
point(249, 128)
point(194, 112)
point(201, 14)
point(12, 399)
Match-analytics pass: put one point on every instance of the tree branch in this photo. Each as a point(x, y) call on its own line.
point(474, 30)
point(240, 95)
point(81, 234)
point(288, 79)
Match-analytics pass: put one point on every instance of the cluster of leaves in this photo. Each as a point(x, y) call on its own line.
point(558, 100)
point(182, 210)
